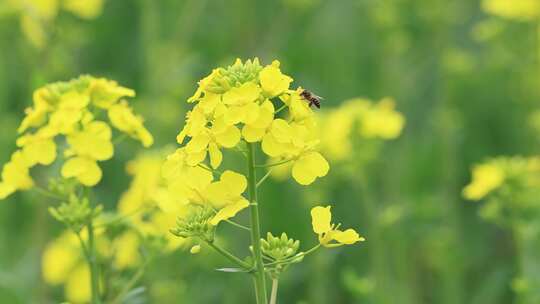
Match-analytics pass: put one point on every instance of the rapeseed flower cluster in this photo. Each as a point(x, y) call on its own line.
point(143, 202)
point(510, 185)
point(233, 106)
point(355, 120)
point(71, 111)
point(37, 15)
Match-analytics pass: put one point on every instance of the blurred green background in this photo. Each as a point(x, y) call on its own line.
point(465, 80)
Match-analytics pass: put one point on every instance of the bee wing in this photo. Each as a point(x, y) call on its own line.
point(318, 97)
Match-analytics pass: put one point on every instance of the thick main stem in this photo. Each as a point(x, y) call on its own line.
point(273, 296)
point(259, 275)
point(94, 280)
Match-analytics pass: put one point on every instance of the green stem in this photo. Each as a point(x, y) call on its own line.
point(238, 225)
point(94, 278)
point(259, 183)
point(273, 295)
point(274, 164)
point(259, 275)
point(229, 256)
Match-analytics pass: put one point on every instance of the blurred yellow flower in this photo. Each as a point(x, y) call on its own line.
point(15, 175)
point(485, 178)
point(87, 9)
point(381, 120)
point(69, 108)
point(123, 118)
point(328, 233)
point(373, 121)
point(62, 262)
point(523, 10)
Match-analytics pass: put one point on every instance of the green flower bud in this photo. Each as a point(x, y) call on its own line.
point(75, 213)
point(196, 224)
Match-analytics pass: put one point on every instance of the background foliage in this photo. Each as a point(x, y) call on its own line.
point(466, 81)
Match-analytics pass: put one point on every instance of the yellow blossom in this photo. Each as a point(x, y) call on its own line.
point(524, 10)
point(70, 110)
point(59, 258)
point(273, 82)
point(382, 121)
point(126, 250)
point(123, 118)
point(104, 93)
point(77, 287)
point(486, 178)
point(329, 234)
point(87, 9)
point(38, 148)
point(15, 175)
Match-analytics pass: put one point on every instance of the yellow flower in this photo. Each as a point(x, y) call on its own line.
point(273, 82)
point(328, 233)
point(382, 121)
point(254, 131)
point(524, 10)
point(195, 185)
point(70, 110)
point(241, 102)
point(38, 148)
point(126, 250)
point(77, 287)
point(87, 9)
point(308, 167)
point(84, 169)
point(485, 178)
point(36, 116)
point(63, 262)
point(105, 93)
point(123, 118)
point(211, 140)
point(59, 258)
point(15, 175)
point(93, 141)
point(294, 141)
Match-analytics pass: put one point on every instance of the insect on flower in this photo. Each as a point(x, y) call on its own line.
point(311, 98)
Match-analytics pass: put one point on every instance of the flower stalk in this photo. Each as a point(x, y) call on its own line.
point(259, 275)
point(92, 263)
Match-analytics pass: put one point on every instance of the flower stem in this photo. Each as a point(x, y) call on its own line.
point(93, 265)
point(273, 296)
point(259, 275)
point(229, 256)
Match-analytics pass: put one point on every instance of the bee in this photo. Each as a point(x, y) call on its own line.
point(311, 98)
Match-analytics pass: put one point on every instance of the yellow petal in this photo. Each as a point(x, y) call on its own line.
point(58, 259)
point(229, 138)
point(85, 170)
point(198, 143)
point(281, 130)
point(347, 237)
point(321, 218)
point(215, 155)
point(247, 92)
point(252, 134)
point(236, 183)
point(234, 115)
point(77, 287)
point(271, 147)
point(273, 82)
point(229, 211)
point(308, 167)
point(126, 250)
